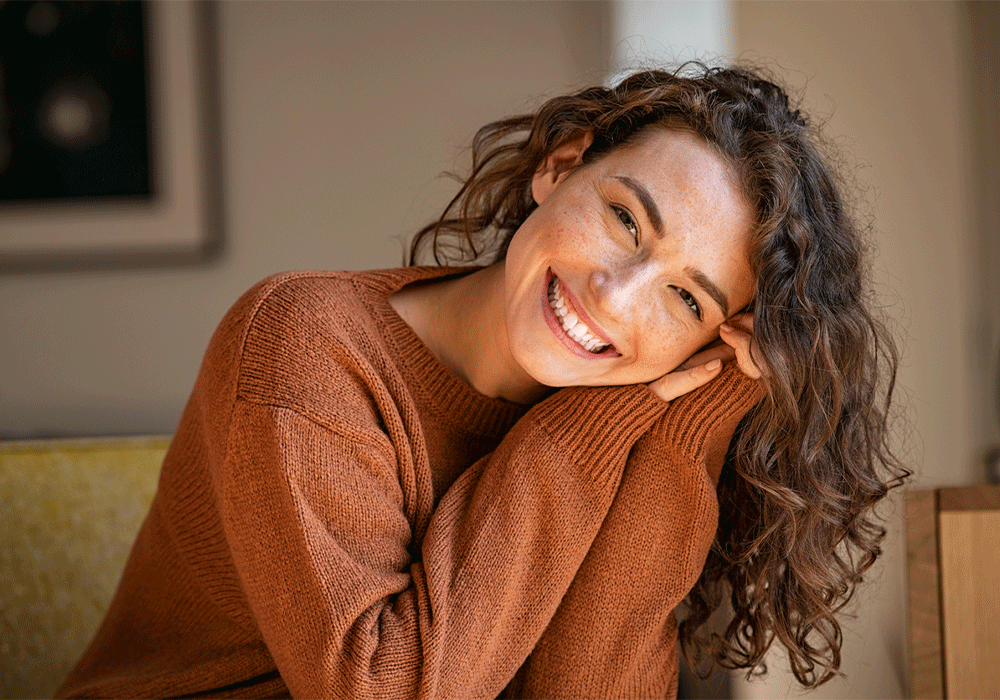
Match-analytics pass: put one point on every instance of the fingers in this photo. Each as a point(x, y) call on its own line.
point(742, 343)
point(716, 351)
point(682, 381)
point(743, 322)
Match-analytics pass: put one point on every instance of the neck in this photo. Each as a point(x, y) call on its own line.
point(462, 320)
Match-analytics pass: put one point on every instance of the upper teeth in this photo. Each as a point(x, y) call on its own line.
point(571, 323)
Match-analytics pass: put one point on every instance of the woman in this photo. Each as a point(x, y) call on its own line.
point(444, 482)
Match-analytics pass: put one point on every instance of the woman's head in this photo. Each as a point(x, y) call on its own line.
point(809, 463)
point(639, 256)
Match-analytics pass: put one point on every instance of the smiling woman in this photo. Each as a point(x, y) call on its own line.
point(504, 480)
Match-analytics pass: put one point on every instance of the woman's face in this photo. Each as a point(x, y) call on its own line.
point(629, 264)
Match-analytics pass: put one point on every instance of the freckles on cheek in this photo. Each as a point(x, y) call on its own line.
point(565, 235)
point(572, 226)
point(669, 347)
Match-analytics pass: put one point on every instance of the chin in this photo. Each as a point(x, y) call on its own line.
point(559, 380)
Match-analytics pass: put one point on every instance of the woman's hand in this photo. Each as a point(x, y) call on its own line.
point(735, 342)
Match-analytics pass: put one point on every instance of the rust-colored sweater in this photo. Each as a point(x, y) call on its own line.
point(341, 516)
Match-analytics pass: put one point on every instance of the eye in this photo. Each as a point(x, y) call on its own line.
point(689, 299)
point(628, 221)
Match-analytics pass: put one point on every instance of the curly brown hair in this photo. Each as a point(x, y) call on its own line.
point(808, 464)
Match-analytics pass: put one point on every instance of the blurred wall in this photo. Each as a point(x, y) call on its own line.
point(669, 31)
point(337, 120)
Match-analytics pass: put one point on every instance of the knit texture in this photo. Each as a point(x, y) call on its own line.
point(339, 515)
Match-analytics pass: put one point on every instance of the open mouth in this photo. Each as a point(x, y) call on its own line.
point(571, 322)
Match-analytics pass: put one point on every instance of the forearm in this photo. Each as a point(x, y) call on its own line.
point(347, 613)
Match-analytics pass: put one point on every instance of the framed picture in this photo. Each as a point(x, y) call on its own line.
point(109, 128)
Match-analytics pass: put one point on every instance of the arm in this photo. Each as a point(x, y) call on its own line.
point(350, 606)
point(614, 633)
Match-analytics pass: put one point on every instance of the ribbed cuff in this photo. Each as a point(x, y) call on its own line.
point(599, 425)
point(699, 417)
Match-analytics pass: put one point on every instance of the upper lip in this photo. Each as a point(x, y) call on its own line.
point(581, 313)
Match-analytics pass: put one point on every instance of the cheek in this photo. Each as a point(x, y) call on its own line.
point(663, 344)
point(570, 226)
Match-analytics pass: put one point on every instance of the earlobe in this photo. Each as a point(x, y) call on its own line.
point(558, 164)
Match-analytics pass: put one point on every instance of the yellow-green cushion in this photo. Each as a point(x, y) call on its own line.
point(69, 512)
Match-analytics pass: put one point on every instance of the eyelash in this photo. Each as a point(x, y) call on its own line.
point(688, 298)
point(628, 221)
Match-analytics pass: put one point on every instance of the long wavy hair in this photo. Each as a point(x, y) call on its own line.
point(807, 465)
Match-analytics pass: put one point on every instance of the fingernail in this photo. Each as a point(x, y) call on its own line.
point(713, 365)
point(726, 327)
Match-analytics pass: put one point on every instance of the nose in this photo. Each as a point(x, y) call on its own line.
point(616, 290)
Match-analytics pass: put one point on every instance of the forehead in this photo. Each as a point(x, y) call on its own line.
point(678, 156)
point(682, 170)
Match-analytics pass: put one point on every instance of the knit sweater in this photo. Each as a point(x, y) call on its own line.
point(339, 515)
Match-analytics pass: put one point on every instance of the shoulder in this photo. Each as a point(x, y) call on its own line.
point(285, 340)
point(321, 342)
point(249, 336)
point(307, 338)
point(289, 304)
point(297, 315)
point(286, 294)
point(296, 300)
point(275, 307)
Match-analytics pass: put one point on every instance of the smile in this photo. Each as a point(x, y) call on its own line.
point(571, 322)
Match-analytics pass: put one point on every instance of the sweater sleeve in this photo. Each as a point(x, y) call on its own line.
point(615, 634)
point(350, 606)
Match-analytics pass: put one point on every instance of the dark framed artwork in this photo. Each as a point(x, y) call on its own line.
point(108, 134)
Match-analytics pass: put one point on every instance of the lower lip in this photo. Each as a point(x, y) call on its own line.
point(556, 327)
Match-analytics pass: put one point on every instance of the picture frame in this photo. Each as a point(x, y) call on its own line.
point(181, 221)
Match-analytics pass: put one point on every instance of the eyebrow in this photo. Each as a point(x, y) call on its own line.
point(710, 288)
point(647, 202)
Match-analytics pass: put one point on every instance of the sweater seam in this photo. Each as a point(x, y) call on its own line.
point(274, 283)
point(312, 419)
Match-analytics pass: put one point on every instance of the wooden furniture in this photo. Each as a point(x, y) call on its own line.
point(953, 570)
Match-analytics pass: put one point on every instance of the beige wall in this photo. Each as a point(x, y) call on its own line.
point(893, 80)
point(337, 120)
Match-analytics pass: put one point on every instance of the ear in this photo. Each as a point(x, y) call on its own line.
point(558, 164)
